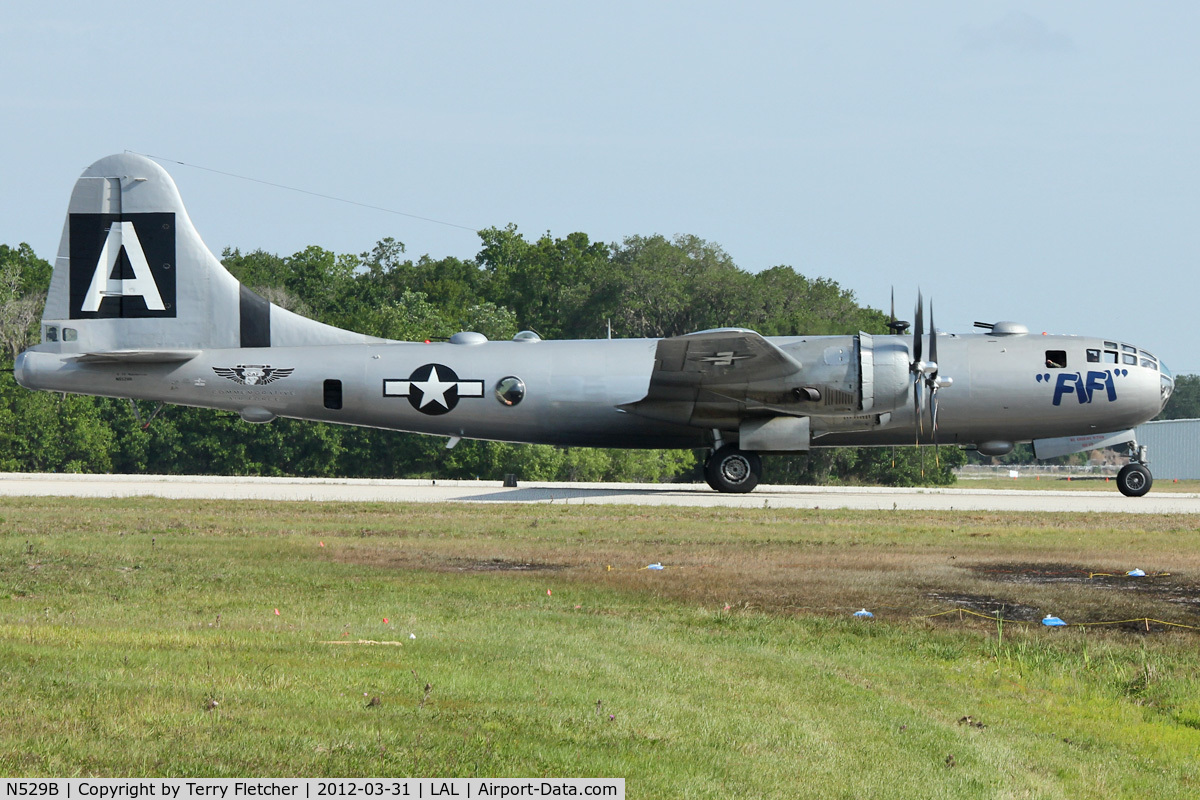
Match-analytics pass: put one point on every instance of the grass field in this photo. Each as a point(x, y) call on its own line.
point(140, 638)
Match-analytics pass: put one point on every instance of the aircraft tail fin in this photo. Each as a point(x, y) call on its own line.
point(132, 274)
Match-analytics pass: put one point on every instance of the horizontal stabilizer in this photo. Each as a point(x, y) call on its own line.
point(138, 357)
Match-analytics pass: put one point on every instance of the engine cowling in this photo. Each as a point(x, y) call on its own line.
point(883, 367)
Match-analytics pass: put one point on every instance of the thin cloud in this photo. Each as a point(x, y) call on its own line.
point(1017, 32)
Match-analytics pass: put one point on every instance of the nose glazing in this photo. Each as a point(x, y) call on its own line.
point(1166, 383)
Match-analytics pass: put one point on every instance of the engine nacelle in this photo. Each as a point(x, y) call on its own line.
point(849, 375)
point(884, 370)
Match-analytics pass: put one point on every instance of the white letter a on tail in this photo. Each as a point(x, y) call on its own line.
point(122, 236)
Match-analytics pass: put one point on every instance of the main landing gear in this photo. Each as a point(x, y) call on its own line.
point(1134, 479)
point(729, 469)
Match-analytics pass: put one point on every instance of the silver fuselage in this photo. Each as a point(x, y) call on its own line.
point(574, 390)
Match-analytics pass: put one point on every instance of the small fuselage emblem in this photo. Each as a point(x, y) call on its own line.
point(253, 374)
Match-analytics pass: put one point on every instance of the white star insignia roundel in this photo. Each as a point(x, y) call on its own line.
point(432, 388)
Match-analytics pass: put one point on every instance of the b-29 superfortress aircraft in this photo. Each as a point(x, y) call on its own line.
point(139, 308)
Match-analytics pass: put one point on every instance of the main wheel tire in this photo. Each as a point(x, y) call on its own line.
point(1134, 480)
point(732, 470)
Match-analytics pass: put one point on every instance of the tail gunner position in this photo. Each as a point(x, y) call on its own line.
point(139, 308)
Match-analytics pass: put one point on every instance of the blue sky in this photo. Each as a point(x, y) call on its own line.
point(1030, 161)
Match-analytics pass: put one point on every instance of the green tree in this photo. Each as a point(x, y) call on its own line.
point(410, 318)
point(35, 272)
point(792, 305)
point(493, 321)
point(663, 287)
point(52, 432)
point(884, 466)
point(24, 279)
point(552, 284)
point(313, 281)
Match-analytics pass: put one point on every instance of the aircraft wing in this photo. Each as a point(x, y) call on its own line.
point(724, 357)
point(713, 368)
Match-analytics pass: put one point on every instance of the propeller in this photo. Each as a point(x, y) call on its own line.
point(918, 366)
point(896, 326)
point(925, 373)
point(931, 378)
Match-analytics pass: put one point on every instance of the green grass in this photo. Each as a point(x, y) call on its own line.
point(122, 620)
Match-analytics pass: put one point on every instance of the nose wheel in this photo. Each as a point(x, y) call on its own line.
point(1134, 479)
point(729, 469)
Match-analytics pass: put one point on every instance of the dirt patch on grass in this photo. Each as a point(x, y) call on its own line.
point(1169, 587)
point(1032, 573)
point(992, 606)
point(497, 565)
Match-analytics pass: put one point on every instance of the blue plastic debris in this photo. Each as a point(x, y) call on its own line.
point(1053, 622)
point(864, 613)
point(654, 566)
point(1136, 573)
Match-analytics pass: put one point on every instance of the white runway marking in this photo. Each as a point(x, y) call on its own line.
point(410, 491)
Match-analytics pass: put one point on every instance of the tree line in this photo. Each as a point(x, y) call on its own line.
point(564, 288)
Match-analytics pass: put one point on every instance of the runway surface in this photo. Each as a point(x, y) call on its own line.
point(413, 491)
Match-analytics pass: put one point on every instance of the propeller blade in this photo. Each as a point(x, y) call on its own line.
point(933, 408)
point(932, 343)
point(919, 328)
point(918, 392)
point(897, 327)
point(933, 413)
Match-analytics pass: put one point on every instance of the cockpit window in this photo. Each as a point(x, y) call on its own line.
point(1129, 358)
point(1128, 348)
point(1093, 356)
point(1110, 357)
point(1056, 359)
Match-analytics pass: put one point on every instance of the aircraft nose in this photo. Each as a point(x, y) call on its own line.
point(1166, 382)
